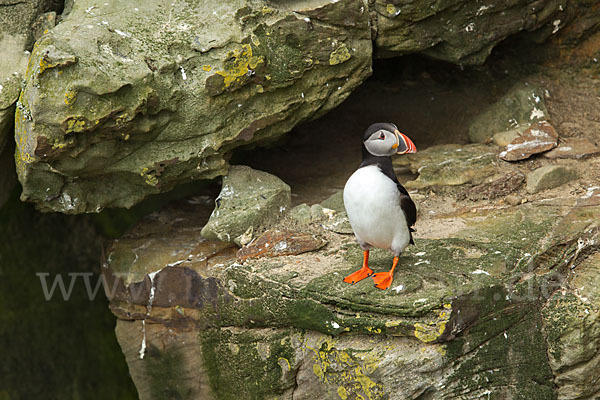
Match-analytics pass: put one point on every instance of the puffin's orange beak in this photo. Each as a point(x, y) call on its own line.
point(408, 144)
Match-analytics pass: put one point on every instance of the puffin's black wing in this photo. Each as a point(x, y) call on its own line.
point(409, 208)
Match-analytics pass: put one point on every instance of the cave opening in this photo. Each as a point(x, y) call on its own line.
point(431, 101)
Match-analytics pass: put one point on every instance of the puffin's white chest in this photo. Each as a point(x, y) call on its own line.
point(373, 206)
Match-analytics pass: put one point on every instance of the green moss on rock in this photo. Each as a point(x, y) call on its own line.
point(252, 365)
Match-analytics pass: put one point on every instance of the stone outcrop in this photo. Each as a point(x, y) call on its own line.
point(549, 176)
point(450, 164)
point(17, 21)
point(121, 102)
point(248, 199)
point(463, 318)
point(462, 32)
point(515, 111)
point(574, 148)
point(538, 138)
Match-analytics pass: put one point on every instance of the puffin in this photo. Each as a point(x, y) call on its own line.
point(379, 208)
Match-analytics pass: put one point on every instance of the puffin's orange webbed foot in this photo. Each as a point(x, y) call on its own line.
point(383, 280)
point(358, 275)
point(362, 273)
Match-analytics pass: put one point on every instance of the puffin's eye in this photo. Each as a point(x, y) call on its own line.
point(382, 135)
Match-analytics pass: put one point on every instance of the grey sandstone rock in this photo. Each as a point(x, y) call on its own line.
point(450, 164)
point(548, 177)
point(515, 111)
point(16, 38)
point(122, 101)
point(462, 32)
point(248, 199)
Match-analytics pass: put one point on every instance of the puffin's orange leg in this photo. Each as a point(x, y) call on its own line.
point(383, 280)
point(362, 273)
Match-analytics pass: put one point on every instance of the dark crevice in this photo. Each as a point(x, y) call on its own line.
point(430, 101)
point(2, 5)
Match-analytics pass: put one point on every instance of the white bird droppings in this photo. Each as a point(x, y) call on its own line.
point(398, 288)
point(151, 275)
point(479, 272)
point(121, 33)
point(143, 346)
point(536, 113)
point(556, 24)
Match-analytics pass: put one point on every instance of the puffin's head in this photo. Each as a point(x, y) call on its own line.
point(384, 139)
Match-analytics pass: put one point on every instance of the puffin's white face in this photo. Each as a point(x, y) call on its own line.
point(382, 143)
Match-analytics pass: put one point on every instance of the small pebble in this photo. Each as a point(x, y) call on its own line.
point(513, 200)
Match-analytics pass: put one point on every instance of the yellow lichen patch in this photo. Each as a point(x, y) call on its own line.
point(206, 68)
point(319, 372)
point(373, 330)
point(284, 361)
point(22, 156)
point(238, 63)
point(433, 330)
point(260, 89)
point(70, 97)
point(255, 39)
point(392, 324)
point(391, 9)
point(44, 65)
point(122, 119)
point(75, 125)
point(58, 145)
point(339, 55)
point(148, 177)
point(267, 10)
point(349, 372)
point(441, 349)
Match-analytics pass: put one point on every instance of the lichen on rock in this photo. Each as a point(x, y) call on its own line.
point(476, 299)
point(130, 111)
